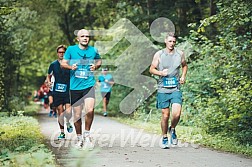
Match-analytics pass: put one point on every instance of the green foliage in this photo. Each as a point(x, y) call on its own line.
point(20, 143)
point(15, 36)
point(19, 131)
point(35, 156)
point(1, 83)
point(228, 144)
point(222, 74)
point(13, 101)
point(31, 109)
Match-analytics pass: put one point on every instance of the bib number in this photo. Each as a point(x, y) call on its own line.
point(82, 73)
point(60, 87)
point(105, 85)
point(170, 82)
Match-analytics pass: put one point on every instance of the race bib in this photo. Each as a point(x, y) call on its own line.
point(105, 85)
point(170, 82)
point(60, 87)
point(82, 73)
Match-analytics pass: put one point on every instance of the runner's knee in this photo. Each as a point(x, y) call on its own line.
point(89, 110)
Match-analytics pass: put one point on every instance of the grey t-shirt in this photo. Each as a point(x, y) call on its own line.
point(171, 62)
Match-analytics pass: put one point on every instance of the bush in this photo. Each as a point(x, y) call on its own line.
point(31, 109)
point(21, 143)
point(19, 131)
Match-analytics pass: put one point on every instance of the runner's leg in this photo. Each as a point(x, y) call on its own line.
point(164, 121)
point(77, 119)
point(61, 117)
point(89, 112)
point(176, 112)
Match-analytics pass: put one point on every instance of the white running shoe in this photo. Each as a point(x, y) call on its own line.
point(88, 145)
point(79, 144)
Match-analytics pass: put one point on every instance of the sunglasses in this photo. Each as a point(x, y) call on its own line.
point(85, 36)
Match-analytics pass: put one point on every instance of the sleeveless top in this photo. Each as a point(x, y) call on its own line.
point(171, 62)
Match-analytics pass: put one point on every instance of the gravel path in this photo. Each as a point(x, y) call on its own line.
point(119, 145)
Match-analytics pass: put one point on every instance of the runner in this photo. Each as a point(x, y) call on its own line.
point(41, 93)
point(61, 91)
point(166, 64)
point(45, 97)
point(106, 82)
point(82, 60)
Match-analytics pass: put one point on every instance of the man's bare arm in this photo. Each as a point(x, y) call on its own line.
point(64, 64)
point(154, 64)
point(184, 69)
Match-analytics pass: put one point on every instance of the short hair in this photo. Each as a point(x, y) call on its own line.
point(171, 34)
point(61, 46)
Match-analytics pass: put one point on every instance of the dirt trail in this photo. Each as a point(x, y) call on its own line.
point(118, 145)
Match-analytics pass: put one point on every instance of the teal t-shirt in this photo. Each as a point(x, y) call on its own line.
point(82, 77)
point(105, 87)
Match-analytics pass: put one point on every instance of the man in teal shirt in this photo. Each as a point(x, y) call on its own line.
point(82, 60)
point(105, 81)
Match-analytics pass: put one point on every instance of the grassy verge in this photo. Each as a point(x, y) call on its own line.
point(21, 143)
point(193, 136)
point(31, 109)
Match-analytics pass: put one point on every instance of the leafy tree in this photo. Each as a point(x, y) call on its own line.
point(15, 36)
point(222, 89)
